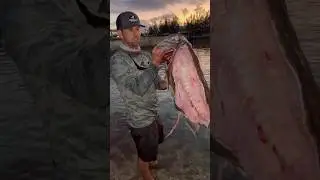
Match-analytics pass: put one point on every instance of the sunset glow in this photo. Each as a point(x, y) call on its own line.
point(181, 10)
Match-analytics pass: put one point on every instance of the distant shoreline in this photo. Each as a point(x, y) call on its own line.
point(147, 42)
point(189, 37)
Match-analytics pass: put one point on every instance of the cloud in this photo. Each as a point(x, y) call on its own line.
point(117, 6)
point(149, 9)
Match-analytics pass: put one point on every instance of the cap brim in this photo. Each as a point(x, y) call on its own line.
point(130, 26)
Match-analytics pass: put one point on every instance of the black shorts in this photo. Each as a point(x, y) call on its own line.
point(147, 140)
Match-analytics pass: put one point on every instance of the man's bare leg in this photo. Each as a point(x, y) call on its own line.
point(145, 170)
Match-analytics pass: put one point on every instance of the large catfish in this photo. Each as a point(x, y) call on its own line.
point(187, 81)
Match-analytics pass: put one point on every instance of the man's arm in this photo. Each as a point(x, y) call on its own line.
point(138, 84)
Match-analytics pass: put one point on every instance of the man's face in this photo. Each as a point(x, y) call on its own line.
point(131, 36)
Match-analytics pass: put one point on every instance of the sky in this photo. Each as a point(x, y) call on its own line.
point(148, 9)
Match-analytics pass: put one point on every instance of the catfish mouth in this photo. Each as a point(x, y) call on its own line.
point(189, 87)
point(171, 52)
point(169, 55)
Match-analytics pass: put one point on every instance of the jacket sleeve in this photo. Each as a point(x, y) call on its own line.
point(123, 75)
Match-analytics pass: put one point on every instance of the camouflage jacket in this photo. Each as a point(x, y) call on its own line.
point(136, 78)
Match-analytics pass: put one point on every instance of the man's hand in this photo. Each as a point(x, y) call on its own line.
point(159, 56)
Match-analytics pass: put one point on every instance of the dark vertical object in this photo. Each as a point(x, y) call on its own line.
point(104, 7)
point(267, 90)
point(289, 41)
point(75, 125)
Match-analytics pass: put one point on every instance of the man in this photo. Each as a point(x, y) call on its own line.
point(136, 75)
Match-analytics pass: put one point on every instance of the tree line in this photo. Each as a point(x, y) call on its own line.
point(197, 23)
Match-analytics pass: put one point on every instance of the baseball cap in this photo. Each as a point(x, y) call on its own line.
point(127, 20)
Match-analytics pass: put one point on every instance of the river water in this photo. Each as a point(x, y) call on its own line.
point(183, 156)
